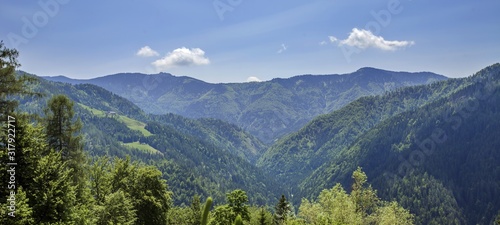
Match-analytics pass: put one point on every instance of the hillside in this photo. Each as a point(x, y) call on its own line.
point(268, 110)
point(197, 156)
point(441, 138)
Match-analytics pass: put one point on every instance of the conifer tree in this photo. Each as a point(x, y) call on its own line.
point(10, 83)
point(62, 135)
point(262, 216)
point(23, 212)
point(282, 210)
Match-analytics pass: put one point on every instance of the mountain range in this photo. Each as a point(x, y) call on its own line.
point(428, 142)
point(268, 110)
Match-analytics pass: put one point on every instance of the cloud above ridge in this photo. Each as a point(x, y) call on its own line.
point(182, 57)
point(364, 39)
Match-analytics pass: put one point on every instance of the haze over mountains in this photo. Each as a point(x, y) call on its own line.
point(267, 109)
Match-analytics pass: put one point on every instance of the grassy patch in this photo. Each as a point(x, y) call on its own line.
point(134, 125)
point(131, 123)
point(142, 147)
point(96, 112)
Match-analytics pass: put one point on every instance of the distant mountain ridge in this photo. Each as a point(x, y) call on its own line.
point(267, 109)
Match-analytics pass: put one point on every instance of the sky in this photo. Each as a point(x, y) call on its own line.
point(222, 41)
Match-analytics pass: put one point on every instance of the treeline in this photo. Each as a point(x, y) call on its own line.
point(333, 206)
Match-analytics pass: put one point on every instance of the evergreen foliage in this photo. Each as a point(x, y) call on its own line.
point(282, 209)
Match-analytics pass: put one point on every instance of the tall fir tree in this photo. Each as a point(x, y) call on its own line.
point(282, 210)
point(62, 135)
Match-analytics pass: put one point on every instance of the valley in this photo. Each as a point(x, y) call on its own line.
point(420, 132)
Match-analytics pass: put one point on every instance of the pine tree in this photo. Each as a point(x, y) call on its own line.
point(62, 135)
point(282, 210)
point(61, 127)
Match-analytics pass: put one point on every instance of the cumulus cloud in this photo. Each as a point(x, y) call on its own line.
point(182, 57)
point(282, 49)
point(253, 79)
point(146, 51)
point(364, 39)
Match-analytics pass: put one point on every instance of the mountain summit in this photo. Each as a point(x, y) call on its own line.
point(268, 109)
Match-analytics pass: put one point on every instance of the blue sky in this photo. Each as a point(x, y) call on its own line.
point(240, 40)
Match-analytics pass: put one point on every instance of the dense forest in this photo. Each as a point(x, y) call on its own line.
point(80, 154)
point(438, 137)
point(268, 110)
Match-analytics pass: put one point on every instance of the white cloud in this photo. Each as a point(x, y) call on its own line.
point(364, 39)
point(332, 39)
point(182, 57)
point(146, 51)
point(253, 79)
point(282, 49)
point(323, 43)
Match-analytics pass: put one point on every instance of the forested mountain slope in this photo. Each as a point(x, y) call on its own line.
point(197, 156)
point(432, 148)
point(267, 110)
